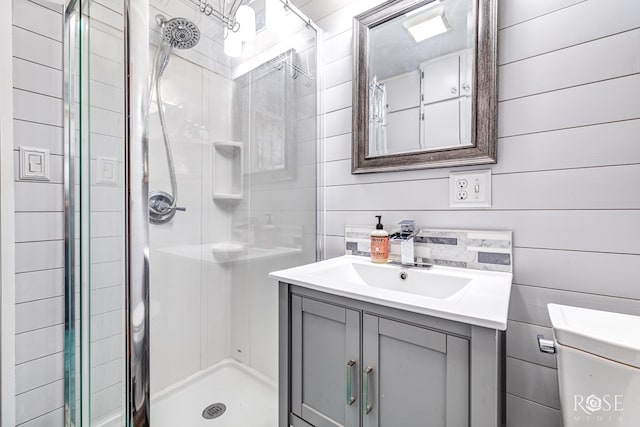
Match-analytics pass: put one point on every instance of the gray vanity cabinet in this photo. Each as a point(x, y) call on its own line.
point(413, 376)
point(349, 365)
point(325, 361)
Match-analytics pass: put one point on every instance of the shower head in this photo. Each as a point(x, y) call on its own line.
point(180, 33)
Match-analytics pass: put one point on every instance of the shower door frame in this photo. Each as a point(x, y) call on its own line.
point(136, 54)
point(136, 280)
point(69, 51)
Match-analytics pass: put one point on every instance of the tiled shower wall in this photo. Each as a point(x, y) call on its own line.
point(569, 120)
point(39, 249)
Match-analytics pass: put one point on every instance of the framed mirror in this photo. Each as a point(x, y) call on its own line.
point(424, 85)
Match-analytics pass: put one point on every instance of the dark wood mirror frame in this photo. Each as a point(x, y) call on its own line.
point(484, 96)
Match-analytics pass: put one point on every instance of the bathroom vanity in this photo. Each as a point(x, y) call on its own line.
point(385, 345)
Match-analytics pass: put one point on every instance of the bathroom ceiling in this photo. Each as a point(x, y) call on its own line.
point(318, 9)
point(300, 3)
point(394, 52)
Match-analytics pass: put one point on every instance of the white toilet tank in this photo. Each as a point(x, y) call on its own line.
point(598, 355)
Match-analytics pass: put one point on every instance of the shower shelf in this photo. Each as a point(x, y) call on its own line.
point(227, 170)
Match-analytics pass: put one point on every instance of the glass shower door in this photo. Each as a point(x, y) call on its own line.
point(243, 140)
point(95, 215)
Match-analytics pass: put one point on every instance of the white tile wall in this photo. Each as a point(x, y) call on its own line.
point(568, 121)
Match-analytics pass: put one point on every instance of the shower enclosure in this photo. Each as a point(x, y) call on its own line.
point(190, 165)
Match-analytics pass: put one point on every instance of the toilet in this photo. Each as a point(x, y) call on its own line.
point(598, 355)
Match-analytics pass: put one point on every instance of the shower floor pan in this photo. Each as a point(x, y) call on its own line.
point(251, 399)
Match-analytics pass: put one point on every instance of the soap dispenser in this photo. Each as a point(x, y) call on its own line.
point(379, 243)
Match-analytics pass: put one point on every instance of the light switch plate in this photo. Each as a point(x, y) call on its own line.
point(34, 164)
point(470, 189)
point(106, 171)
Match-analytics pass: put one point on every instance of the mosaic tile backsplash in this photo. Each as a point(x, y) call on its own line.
point(475, 249)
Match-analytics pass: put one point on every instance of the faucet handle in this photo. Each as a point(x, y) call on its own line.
point(407, 225)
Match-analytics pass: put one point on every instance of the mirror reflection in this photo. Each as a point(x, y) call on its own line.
point(421, 79)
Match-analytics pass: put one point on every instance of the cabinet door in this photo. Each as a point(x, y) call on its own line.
point(325, 361)
point(403, 130)
point(441, 79)
point(413, 376)
point(441, 124)
point(403, 91)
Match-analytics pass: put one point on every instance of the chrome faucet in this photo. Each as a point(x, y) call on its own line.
point(406, 237)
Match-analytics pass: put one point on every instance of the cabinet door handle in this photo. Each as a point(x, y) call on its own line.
point(350, 398)
point(367, 407)
point(454, 90)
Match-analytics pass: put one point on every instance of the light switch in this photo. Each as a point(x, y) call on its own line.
point(106, 168)
point(470, 189)
point(34, 164)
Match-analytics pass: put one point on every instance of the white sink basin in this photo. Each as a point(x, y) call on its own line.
point(471, 296)
point(417, 281)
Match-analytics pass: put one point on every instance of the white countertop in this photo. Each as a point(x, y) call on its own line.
point(484, 302)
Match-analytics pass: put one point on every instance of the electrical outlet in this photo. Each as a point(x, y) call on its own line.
point(470, 189)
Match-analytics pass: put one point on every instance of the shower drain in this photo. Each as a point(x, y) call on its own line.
point(213, 411)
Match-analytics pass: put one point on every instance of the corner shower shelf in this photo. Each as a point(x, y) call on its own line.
point(227, 170)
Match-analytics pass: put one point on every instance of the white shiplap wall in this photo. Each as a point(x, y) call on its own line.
point(568, 158)
point(39, 223)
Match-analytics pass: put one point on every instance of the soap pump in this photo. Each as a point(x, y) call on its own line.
point(379, 243)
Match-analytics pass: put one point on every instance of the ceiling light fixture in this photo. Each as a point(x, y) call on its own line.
point(276, 13)
point(246, 17)
point(427, 24)
point(232, 44)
